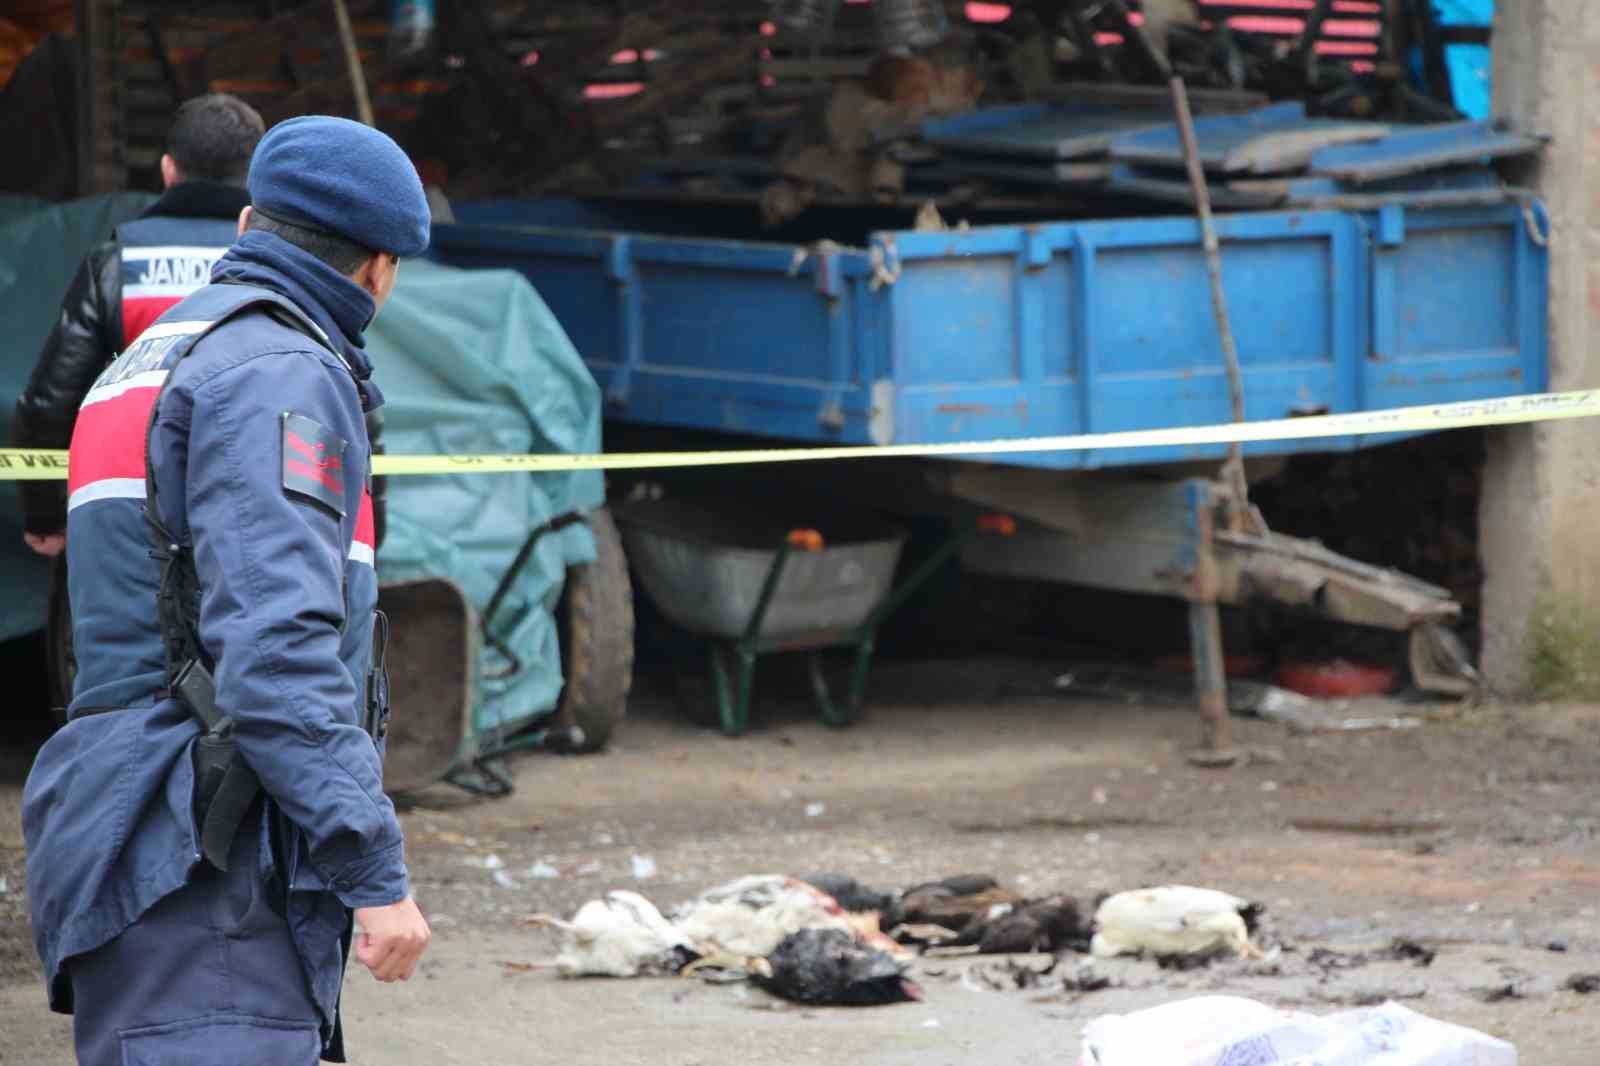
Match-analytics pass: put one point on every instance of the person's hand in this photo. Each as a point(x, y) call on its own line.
point(46, 544)
point(391, 939)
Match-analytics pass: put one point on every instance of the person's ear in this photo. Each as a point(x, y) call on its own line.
point(244, 219)
point(366, 274)
point(170, 174)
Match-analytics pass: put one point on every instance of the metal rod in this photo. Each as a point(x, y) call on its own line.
point(1084, 32)
point(352, 60)
point(1306, 49)
point(1211, 684)
point(769, 586)
point(925, 570)
point(1145, 45)
point(1233, 468)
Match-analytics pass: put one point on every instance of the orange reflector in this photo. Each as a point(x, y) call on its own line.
point(1002, 525)
point(806, 540)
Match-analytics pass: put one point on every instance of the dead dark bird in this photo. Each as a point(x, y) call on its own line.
point(827, 967)
point(959, 885)
point(851, 894)
point(1400, 949)
point(953, 903)
point(1049, 925)
point(1406, 950)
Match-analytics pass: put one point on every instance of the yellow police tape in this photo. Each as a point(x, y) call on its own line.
point(22, 464)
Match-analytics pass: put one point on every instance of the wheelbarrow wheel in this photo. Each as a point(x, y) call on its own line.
point(60, 662)
point(595, 623)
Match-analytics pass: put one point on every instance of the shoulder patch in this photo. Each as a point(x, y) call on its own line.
point(313, 462)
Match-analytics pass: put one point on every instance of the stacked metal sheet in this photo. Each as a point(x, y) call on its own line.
point(1264, 157)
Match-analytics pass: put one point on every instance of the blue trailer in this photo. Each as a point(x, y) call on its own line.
point(1058, 328)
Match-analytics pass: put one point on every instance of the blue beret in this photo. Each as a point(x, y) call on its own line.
point(341, 176)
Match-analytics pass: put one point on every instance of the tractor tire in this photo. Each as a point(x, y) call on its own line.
point(594, 619)
point(60, 663)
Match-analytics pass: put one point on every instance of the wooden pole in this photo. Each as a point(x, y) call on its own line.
point(1233, 468)
point(352, 59)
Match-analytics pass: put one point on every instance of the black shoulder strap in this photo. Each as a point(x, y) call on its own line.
point(178, 595)
point(276, 306)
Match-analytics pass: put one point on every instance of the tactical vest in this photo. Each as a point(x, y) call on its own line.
point(125, 656)
point(164, 260)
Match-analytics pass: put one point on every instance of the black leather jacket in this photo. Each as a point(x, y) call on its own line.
point(88, 335)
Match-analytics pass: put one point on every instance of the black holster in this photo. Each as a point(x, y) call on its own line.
point(224, 784)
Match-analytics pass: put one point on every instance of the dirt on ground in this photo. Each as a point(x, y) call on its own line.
point(1475, 836)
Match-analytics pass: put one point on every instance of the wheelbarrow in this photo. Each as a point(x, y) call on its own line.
point(753, 584)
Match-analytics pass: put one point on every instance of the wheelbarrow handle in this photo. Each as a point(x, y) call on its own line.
point(986, 525)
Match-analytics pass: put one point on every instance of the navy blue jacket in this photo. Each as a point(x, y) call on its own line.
point(278, 513)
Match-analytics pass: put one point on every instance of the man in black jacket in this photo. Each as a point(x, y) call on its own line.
point(126, 283)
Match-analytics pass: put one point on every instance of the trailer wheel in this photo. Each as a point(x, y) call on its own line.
point(594, 619)
point(60, 663)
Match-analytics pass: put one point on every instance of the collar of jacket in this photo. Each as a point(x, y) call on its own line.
point(339, 307)
point(200, 199)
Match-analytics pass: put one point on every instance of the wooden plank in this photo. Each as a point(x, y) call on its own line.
point(813, 68)
point(100, 150)
point(1204, 101)
point(147, 98)
point(666, 90)
point(243, 52)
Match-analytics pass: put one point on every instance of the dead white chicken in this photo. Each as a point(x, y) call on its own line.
point(1173, 921)
point(750, 917)
point(622, 935)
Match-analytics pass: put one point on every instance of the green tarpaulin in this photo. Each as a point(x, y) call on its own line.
point(469, 361)
point(472, 361)
point(41, 246)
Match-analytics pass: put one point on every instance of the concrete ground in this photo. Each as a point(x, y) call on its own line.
point(1475, 835)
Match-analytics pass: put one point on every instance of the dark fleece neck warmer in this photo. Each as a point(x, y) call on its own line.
point(338, 305)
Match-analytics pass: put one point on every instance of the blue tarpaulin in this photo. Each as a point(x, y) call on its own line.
point(1469, 64)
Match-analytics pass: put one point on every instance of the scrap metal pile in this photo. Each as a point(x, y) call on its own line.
point(1060, 107)
point(799, 100)
point(1103, 149)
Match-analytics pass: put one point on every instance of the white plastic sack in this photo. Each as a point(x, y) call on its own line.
point(1230, 1031)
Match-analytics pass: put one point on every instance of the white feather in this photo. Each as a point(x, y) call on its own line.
point(1170, 920)
point(751, 916)
point(622, 935)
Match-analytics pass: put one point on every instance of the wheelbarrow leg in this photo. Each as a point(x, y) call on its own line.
point(1211, 686)
point(832, 713)
point(867, 639)
point(858, 682)
point(733, 693)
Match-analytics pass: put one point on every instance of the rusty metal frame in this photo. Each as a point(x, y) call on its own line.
point(1168, 538)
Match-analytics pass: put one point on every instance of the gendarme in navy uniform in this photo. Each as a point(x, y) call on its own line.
point(201, 830)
